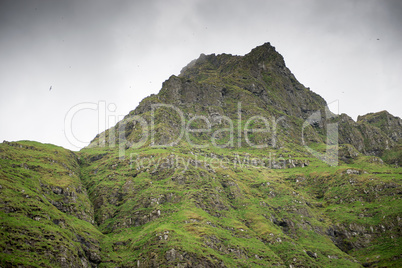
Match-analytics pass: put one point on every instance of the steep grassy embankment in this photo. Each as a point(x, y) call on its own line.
point(46, 218)
point(220, 207)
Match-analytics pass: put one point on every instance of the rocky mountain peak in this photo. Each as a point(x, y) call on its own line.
point(209, 80)
point(214, 86)
point(260, 57)
point(227, 166)
point(265, 53)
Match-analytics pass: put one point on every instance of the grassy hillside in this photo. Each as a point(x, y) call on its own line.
point(182, 207)
point(46, 218)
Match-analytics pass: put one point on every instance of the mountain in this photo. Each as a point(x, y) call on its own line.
point(213, 86)
point(234, 163)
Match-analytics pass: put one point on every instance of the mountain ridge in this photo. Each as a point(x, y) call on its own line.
point(213, 85)
point(227, 166)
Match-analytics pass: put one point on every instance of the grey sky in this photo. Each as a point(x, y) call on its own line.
point(121, 51)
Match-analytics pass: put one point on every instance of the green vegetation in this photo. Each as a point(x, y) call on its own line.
point(214, 199)
point(237, 214)
point(45, 216)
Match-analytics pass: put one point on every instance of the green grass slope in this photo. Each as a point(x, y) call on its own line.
point(45, 214)
point(178, 207)
point(183, 207)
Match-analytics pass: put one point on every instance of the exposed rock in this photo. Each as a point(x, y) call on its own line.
point(311, 254)
point(389, 124)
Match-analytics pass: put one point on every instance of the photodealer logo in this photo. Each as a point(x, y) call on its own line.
point(331, 151)
point(154, 163)
point(213, 127)
point(106, 118)
point(223, 125)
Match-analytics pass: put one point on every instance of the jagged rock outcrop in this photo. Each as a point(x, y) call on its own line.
point(389, 124)
point(372, 134)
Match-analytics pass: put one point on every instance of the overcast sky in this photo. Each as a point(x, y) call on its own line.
point(106, 56)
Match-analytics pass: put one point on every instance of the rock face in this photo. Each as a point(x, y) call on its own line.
point(238, 188)
point(377, 134)
point(389, 124)
point(365, 137)
point(261, 72)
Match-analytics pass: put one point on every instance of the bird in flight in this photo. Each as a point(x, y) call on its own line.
point(50, 88)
